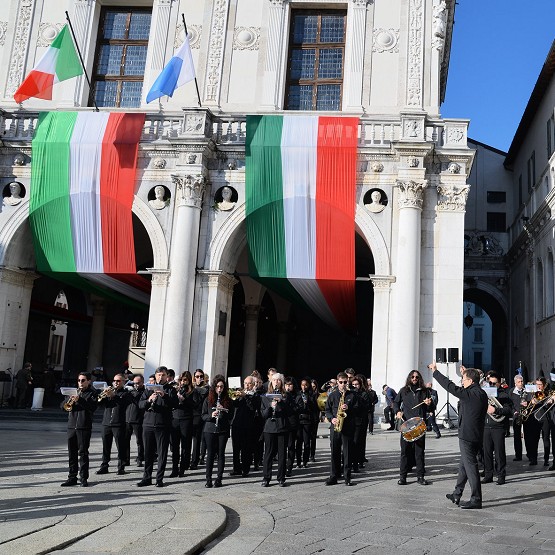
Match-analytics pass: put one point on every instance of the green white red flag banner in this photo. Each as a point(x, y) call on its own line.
point(82, 188)
point(300, 204)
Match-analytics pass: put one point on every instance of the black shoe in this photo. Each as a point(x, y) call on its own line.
point(121, 472)
point(331, 482)
point(159, 484)
point(69, 482)
point(208, 484)
point(312, 459)
point(517, 459)
point(483, 473)
point(102, 470)
point(438, 435)
point(281, 483)
point(545, 463)
point(305, 465)
point(289, 473)
point(402, 481)
point(174, 474)
point(84, 483)
point(217, 483)
point(487, 480)
point(144, 482)
point(256, 468)
point(348, 483)
point(533, 463)
point(500, 481)
point(552, 467)
point(201, 460)
point(365, 460)
point(390, 429)
point(235, 473)
point(265, 483)
point(140, 463)
point(245, 475)
point(423, 482)
point(470, 505)
point(355, 469)
point(181, 475)
point(194, 467)
point(453, 498)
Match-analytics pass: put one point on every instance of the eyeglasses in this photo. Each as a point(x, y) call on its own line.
point(117, 381)
point(493, 383)
point(83, 380)
point(414, 377)
point(198, 376)
point(342, 381)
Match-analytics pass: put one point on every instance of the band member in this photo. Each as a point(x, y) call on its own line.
point(158, 406)
point(217, 414)
point(258, 452)
point(431, 423)
point(245, 427)
point(114, 400)
point(134, 419)
point(412, 401)
point(390, 395)
point(374, 400)
point(290, 399)
point(79, 429)
point(182, 425)
point(341, 407)
point(315, 420)
point(198, 424)
point(518, 397)
point(472, 416)
point(275, 412)
point(533, 428)
point(494, 432)
point(358, 385)
point(306, 404)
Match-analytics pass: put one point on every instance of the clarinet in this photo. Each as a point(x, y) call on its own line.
point(218, 415)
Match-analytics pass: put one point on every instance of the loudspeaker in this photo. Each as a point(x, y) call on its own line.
point(441, 355)
point(453, 355)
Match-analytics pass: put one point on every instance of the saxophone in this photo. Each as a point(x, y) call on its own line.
point(341, 414)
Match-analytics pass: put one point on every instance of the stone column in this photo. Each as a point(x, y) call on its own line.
point(276, 35)
point(251, 338)
point(153, 354)
point(354, 54)
point(178, 315)
point(96, 342)
point(406, 290)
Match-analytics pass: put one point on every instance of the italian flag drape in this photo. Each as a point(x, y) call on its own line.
point(300, 202)
point(83, 180)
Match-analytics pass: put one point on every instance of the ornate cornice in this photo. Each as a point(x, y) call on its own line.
point(452, 198)
point(411, 193)
point(189, 189)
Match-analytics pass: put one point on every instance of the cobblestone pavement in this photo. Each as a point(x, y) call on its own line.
point(376, 515)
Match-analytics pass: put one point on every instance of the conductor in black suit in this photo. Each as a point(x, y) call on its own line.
point(472, 417)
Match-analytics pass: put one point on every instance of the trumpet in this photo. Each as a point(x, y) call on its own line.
point(68, 405)
point(547, 405)
point(104, 393)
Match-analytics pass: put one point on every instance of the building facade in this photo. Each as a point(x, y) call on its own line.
point(384, 61)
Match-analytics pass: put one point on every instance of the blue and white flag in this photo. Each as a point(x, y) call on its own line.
point(179, 70)
point(519, 369)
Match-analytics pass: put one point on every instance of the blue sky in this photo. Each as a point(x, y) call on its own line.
point(498, 50)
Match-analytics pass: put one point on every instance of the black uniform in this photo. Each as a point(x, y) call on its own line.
point(472, 416)
point(343, 439)
point(276, 434)
point(244, 431)
point(293, 426)
point(114, 427)
point(134, 422)
point(494, 438)
point(361, 423)
point(198, 425)
point(533, 430)
point(517, 395)
point(156, 429)
point(182, 430)
point(431, 423)
point(405, 402)
point(373, 400)
point(306, 408)
point(79, 430)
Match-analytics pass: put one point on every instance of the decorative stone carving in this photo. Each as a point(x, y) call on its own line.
point(159, 202)
point(481, 244)
point(3, 29)
point(159, 163)
point(232, 164)
point(411, 194)
point(439, 23)
point(412, 127)
point(246, 38)
point(194, 124)
point(191, 158)
point(189, 189)
point(377, 167)
point(216, 50)
point(194, 32)
point(48, 32)
point(20, 46)
point(14, 197)
point(382, 282)
point(454, 168)
point(415, 55)
point(452, 197)
point(228, 197)
point(218, 279)
point(386, 40)
point(455, 134)
point(19, 159)
point(160, 278)
point(413, 162)
point(375, 206)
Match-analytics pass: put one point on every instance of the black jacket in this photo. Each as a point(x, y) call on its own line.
point(81, 415)
point(185, 408)
point(159, 413)
point(276, 421)
point(332, 405)
point(202, 393)
point(223, 421)
point(134, 414)
point(247, 410)
point(361, 418)
point(373, 399)
point(408, 398)
point(506, 411)
point(472, 409)
point(115, 408)
point(307, 407)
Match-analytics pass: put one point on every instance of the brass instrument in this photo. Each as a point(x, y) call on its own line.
point(341, 414)
point(538, 398)
point(495, 403)
point(235, 394)
point(68, 405)
point(104, 393)
point(547, 405)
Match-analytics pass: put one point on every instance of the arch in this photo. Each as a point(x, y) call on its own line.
point(231, 238)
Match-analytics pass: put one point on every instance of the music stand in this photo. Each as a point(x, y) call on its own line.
point(448, 405)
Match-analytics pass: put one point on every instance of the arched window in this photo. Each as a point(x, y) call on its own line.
point(539, 290)
point(549, 286)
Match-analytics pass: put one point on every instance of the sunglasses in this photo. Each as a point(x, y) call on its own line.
point(342, 381)
point(84, 380)
point(493, 383)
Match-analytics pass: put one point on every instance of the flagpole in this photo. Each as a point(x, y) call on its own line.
point(81, 59)
point(196, 83)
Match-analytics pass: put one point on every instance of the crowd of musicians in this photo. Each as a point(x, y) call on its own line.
point(275, 424)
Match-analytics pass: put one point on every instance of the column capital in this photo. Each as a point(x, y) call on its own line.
point(189, 189)
point(452, 197)
point(16, 276)
point(411, 193)
point(218, 278)
point(382, 283)
point(160, 278)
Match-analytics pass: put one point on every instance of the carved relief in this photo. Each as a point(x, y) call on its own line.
point(160, 278)
point(377, 167)
point(382, 282)
point(482, 244)
point(386, 40)
point(452, 197)
point(19, 160)
point(159, 163)
point(159, 197)
point(194, 32)
point(189, 189)
point(413, 127)
point(411, 194)
point(48, 32)
point(455, 134)
point(454, 168)
point(3, 29)
point(246, 38)
point(439, 24)
point(194, 124)
point(413, 162)
point(191, 158)
point(415, 54)
point(20, 43)
point(216, 50)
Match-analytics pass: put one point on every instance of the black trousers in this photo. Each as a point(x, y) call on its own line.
point(412, 452)
point(371, 422)
point(468, 470)
point(359, 441)
point(275, 443)
point(291, 448)
point(389, 418)
point(181, 444)
point(243, 442)
point(156, 440)
point(340, 441)
point(109, 433)
point(302, 445)
point(494, 442)
point(198, 426)
point(431, 423)
point(313, 437)
point(532, 432)
point(548, 435)
point(78, 442)
point(215, 444)
point(517, 438)
point(137, 429)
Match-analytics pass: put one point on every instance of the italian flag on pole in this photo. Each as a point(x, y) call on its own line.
point(59, 62)
point(82, 189)
point(300, 203)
